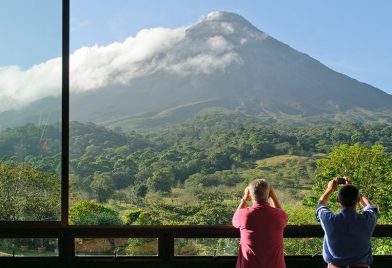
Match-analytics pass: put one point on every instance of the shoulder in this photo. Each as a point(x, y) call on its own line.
point(280, 213)
point(242, 211)
point(322, 208)
point(370, 212)
point(323, 213)
point(371, 209)
point(239, 217)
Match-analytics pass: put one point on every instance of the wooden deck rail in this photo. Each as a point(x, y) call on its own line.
point(165, 234)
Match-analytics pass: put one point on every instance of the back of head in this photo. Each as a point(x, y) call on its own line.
point(348, 195)
point(259, 190)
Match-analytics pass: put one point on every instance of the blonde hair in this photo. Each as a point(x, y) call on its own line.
point(259, 189)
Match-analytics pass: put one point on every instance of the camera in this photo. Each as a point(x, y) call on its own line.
point(341, 180)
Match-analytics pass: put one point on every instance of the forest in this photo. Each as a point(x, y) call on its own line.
point(193, 172)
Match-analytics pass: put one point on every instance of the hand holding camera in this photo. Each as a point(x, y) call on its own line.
point(246, 196)
point(343, 180)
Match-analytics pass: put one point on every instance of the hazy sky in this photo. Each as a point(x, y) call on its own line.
point(351, 36)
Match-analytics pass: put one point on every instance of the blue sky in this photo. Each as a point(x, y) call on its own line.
point(351, 36)
point(30, 31)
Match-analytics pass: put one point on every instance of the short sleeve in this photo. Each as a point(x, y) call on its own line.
point(371, 214)
point(322, 212)
point(284, 218)
point(236, 219)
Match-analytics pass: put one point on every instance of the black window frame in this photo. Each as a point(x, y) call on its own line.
point(66, 233)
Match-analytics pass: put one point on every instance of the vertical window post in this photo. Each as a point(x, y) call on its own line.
point(65, 115)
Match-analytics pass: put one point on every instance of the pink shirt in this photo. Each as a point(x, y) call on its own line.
point(261, 244)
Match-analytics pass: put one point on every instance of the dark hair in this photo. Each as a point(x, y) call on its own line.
point(348, 196)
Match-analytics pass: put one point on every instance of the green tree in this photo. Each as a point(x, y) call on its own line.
point(140, 190)
point(103, 186)
point(139, 217)
point(27, 193)
point(88, 212)
point(124, 172)
point(369, 167)
point(161, 180)
point(212, 212)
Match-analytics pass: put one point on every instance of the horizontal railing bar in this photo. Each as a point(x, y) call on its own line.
point(30, 259)
point(198, 231)
point(174, 259)
point(15, 224)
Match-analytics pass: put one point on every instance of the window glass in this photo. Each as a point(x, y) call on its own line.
point(175, 110)
point(382, 245)
point(29, 247)
point(30, 110)
point(206, 246)
point(303, 246)
point(87, 247)
point(292, 246)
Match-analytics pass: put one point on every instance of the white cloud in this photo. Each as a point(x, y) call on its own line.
point(90, 68)
point(19, 87)
point(215, 15)
point(117, 63)
point(227, 27)
point(205, 63)
point(219, 44)
point(94, 67)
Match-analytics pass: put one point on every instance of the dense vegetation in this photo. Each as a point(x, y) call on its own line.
point(193, 172)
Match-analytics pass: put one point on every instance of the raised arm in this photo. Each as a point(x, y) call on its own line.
point(332, 186)
point(273, 198)
point(244, 199)
point(364, 201)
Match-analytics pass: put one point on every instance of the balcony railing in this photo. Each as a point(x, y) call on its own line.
point(165, 235)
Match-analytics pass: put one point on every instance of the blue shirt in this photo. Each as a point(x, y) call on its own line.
point(348, 234)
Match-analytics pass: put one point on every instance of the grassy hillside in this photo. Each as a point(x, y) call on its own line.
point(291, 175)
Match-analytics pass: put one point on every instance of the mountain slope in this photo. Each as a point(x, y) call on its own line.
point(222, 61)
point(41, 112)
point(254, 73)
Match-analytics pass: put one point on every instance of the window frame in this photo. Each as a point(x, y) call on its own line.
point(166, 234)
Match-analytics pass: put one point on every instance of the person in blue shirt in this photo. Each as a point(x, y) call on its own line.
point(348, 234)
